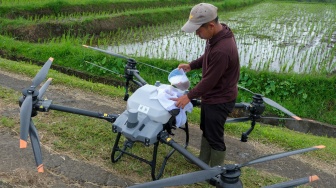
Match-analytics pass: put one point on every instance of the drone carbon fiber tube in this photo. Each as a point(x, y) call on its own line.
point(142, 81)
point(239, 105)
point(164, 137)
point(108, 117)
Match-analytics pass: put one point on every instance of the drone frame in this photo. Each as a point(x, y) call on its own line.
point(32, 103)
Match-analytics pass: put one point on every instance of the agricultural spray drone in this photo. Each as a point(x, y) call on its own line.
point(147, 122)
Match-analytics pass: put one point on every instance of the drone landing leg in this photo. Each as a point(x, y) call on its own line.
point(245, 134)
point(116, 148)
point(153, 162)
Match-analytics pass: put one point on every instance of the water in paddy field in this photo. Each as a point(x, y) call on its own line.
point(295, 38)
point(178, 45)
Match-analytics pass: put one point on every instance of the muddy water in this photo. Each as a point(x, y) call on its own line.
point(298, 38)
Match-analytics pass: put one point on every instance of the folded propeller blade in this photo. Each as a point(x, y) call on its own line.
point(245, 89)
point(35, 141)
point(274, 104)
point(107, 52)
point(27, 101)
point(278, 106)
point(44, 88)
point(25, 115)
point(183, 179)
point(280, 155)
point(232, 120)
point(42, 74)
point(294, 183)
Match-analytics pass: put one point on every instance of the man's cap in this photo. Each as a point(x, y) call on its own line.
point(200, 14)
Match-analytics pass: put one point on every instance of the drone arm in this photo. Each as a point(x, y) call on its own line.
point(46, 106)
point(142, 82)
point(107, 117)
point(137, 83)
point(129, 73)
point(240, 105)
point(164, 137)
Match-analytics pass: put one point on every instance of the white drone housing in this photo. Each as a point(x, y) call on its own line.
point(144, 118)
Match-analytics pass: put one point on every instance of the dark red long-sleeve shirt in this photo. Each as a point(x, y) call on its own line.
point(220, 69)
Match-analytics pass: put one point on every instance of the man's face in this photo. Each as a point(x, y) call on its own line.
point(205, 31)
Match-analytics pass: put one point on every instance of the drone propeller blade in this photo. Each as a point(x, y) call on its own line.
point(35, 141)
point(278, 106)
point(183, 179)
point(41, 75)
point(232, 120)
point(245, 89)
point(107, 52)
point(44, 88)
point(25, 115)
point(294, 183)
point(274, 104)
point(281, 155)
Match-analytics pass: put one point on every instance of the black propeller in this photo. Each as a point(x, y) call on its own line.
point(274, 104)
point(231, 171)
point(27, 102)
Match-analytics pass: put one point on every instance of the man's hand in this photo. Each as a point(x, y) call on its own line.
point(182, 101)
point(185, 67)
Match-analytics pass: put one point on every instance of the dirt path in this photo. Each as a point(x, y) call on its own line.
point(64, 171)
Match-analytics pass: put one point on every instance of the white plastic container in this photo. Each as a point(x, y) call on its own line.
point(179, 79)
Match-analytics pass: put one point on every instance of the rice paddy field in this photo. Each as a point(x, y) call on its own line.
point(272, 36)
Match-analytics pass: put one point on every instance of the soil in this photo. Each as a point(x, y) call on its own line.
point(17, 167)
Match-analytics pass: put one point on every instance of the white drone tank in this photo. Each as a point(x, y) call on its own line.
point(144, 100)
point(144, 118)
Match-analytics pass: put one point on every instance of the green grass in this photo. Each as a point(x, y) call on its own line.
point(71, 81)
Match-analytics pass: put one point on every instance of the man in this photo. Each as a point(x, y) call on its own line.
point(220, 74)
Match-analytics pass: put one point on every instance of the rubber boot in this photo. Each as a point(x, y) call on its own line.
point(217, 158)
point(205, 151)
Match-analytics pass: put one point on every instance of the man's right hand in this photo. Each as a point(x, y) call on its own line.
point(185, 67)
